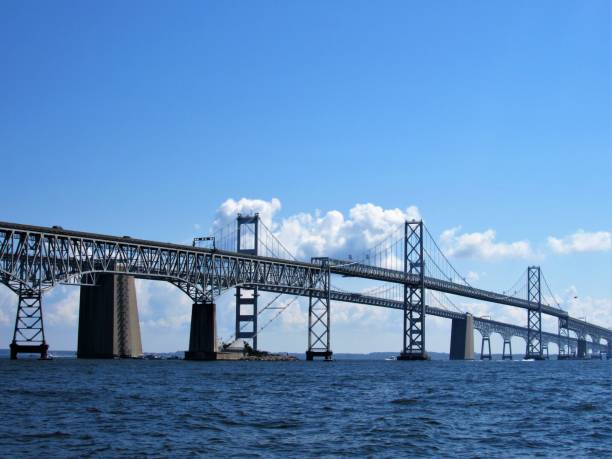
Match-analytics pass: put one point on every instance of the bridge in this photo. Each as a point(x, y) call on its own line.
point(248, 258)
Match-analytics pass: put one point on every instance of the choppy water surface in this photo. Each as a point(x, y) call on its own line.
point(67, 407)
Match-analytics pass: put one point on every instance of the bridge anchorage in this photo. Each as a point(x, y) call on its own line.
point(250, 260)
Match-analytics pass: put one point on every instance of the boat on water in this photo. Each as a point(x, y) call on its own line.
point(391, 358)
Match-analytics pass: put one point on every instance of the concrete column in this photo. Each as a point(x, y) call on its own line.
point(203, 334)
point(108, 319)
point(507, 342)
point(462, 338)
point(582, 348)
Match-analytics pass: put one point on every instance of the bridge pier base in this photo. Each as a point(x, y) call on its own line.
point(312, 355)
point(582, 349)
point(419, 356)
point(203, 333)
point(508, 356)
point(487, 355)
point(462, 338)
point(41, 349)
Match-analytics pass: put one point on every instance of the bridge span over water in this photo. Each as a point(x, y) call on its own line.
point(247, 257)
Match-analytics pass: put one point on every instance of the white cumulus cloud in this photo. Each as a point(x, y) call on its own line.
point(65, 310)
point(226, 214)
point(581, 241)
point(316, 234)
point(482, 245)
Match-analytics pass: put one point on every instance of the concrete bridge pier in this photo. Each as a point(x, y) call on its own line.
point(203, 334)
point(462, 338)
point(108, 319)
point(582, 349)
point(485, 339)
point(507, 342)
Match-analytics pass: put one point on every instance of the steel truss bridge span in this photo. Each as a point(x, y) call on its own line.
point(38, 258)
point(33, 259)
point(481, 324)
point(349, 268)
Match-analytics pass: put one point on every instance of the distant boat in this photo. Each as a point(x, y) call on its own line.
point(391, 358)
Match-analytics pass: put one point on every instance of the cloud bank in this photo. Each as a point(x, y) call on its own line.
point(481, 246)
point(332, 233)
point(581, 241)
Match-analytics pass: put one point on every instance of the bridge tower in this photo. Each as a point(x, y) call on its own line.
point(534, 314)
point(29, 333)
point(414, 293)
point(319, 319)
point(247, 240)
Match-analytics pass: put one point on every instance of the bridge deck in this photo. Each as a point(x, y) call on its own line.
point(69, 253)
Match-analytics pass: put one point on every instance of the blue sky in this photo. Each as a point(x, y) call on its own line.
point(142, 118)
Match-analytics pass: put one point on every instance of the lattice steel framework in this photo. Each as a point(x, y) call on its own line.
point(319, 322)
point(34, 259)
point(534, 315)
point(39, 258)
point(414, 295)
point(361, 270)
point(29, 332)
point(247, 240)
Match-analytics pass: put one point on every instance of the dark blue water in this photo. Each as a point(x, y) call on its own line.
point(67, 407)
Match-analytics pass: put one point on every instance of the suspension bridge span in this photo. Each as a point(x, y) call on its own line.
point(248, 258)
